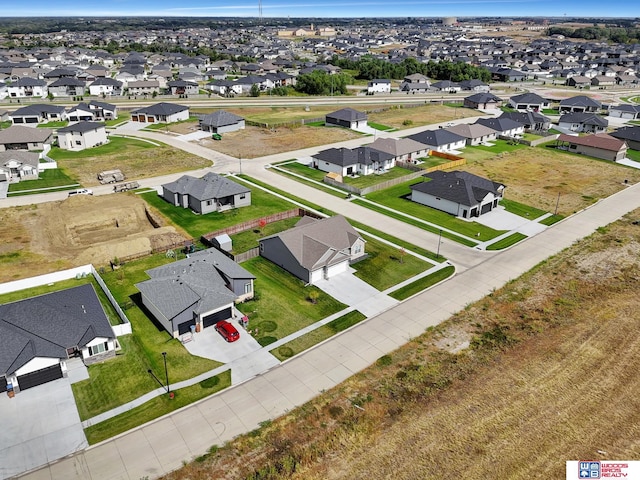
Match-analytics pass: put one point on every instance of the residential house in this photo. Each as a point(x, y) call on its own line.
point(105, 87)
point(103, 111)
point(474, 85)
point(161, 113)
point(346, 117)
point(528, 101)
point(67, 87)
point(628, 112)
point(378, 86)
point(580, 103)
point(599, 145)
point(603, 81)
point(583, 122)
point(221, 121)
point(143, 87)
point(38, 113)
point(440, 140)
point(446, 86)
point(459, 193)
point(19, 137)
point(534, 121)
point(18, 165)
point(79, 113)
point(211, 193)
point(415, 83)
point(39, 335)
point(402, 149)
point(196, 293)
point(475, 133)
point(224, 88)
point(315, 249)
point(357, 161)
point(27, 88)
point(578, 81)
point(631, 135)
point(483, 101)
point(82, 135)
point(182, 87)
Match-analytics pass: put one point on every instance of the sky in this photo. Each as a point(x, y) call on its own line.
point(324, 8)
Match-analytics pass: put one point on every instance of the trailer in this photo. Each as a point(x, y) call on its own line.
point(111, 176)
point(124, 187)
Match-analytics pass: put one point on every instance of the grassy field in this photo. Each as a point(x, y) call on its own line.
point(361, 181)
point(544, 368)
point(262, 204)
point(422, 284)
point(248, 239)
point(136, 158)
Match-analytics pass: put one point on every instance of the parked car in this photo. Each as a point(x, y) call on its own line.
point(228, 331)
point(80, 191)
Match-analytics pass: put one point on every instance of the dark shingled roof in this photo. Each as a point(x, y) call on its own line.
point(211, 186)
point(585, 118)
point(220, 118)
point(81, 127)
point(627, 133)
point(580, 101)
point(162, 108)
point(47, 325)
point(436, 138)
point(458, 186)
point(346, 156)
point(347, 114)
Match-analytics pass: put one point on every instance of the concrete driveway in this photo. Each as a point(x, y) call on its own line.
point(500, 219)
point(39, 425)
point(350, 290)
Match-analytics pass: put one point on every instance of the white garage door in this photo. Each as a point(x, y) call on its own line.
point(336, 269)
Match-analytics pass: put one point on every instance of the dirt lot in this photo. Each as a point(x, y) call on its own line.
point(551, 376)
point(80, 230)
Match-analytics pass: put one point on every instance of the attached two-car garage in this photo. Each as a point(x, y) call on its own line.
point(214, 318)
point(44, 375)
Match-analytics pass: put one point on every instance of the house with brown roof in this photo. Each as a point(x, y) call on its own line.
point(600, 145)
point(402, 149)
point(315, 249)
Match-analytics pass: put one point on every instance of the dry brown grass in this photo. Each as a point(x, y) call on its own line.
point(551, 376)
point(535, 176)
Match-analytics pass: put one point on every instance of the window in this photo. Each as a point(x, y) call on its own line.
point(261, 247)
point(78, 142)
point(100, 348)
point(243, 196)
point(357, 248)
point(247, 287)
point(208, 202)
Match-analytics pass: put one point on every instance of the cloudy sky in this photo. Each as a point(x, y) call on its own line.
point(326, 8)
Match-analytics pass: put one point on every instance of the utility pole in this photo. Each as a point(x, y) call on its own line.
point(557, 203)
point(439, 242)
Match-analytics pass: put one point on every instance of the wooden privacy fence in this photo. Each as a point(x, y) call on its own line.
point(255, 223)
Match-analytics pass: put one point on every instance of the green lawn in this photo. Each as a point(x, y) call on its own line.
point(120, 380)
point(507, 241)
point(115, 145)
point(308, 172)
point(249, 238)
point(394, 197)
point(432, 161)
point(379, 126)
point(283, 304)
point(122, 117)
point(633, 155)
point(262, 204)
point(156, 408)
point(479, 153)
point(47, 179)
point(318, 335)
point(57, 124)
point(422, 283)
point(387, 266)
point(521, 209)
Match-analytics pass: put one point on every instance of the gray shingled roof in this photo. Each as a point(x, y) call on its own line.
point(211, 186)
point(529, 98)
point(457, 186)
point(22, 134)
point(82, 127)
point(197, 284)
point(483, 98)
point(25, 158)
point(500, 124)
point(221, 118)
point(436, 137)
point(347, 114)
point(627, 133)
point(316, 243)
point(580, 101)
point(356, 156)
point(38, 109)
point(47, 325)
point(585, 118)
point(162, 108)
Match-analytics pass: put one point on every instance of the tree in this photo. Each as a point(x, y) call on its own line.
point(255, 90)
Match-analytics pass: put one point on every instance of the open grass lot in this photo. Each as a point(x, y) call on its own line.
point(550, 375)
point(248, 239)
point(156, 408)
point(394, 197)
point(399, 116)
point(136, 159)
point(47, 179)
point(318, 335)
point(536, 176)
point(283, 303)
point(125, 378)
point(262, 204)
point(387, 266)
